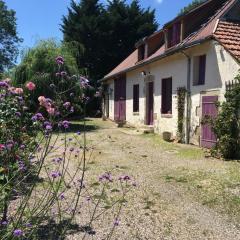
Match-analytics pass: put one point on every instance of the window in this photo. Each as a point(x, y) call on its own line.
point(141, 52)
point(167, 96)
point(136, 98)
point(199, 70)
point(174, 34)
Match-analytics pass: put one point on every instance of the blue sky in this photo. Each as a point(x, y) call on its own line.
point(40, 19)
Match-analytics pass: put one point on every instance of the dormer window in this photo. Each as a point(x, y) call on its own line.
point(141, 52)
point(174, 34)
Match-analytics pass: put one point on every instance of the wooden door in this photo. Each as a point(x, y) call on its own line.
point(150, 103)
point(209, 109)
point(120, 99)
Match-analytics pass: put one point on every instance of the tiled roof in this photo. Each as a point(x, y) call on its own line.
point(204, 32)
point(132, 61)
point(228, 34)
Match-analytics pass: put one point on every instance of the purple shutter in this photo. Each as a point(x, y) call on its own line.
point(136, 98)
point(120, 99)
point(208, 138)
point(167, 96)
point(150, 104)
point(202, 69)
point(176, 33)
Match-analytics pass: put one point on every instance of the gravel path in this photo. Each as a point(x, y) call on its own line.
point(157, 209)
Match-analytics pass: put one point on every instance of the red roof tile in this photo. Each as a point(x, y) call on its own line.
point(228, 34)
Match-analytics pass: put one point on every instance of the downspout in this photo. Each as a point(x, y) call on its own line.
point(188, 117)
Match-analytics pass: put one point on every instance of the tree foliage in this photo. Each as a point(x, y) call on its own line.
point(40, 60)
point(107, 33)
point(191, 6)
point(38, 66)
point(9, 39)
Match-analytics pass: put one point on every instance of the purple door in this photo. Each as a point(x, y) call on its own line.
point(208, 138)
point(150, 100)
point(120, 99)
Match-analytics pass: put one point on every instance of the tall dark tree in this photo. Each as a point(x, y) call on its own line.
point(9, 39)
point(108, 34)
point(129, 23)
point(191, 5)
point(84, 26)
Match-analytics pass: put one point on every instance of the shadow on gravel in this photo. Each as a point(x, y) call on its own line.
point(53, 231)
point(76, 126)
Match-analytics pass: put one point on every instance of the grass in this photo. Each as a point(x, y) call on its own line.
point(217, 189)
point(180, 150)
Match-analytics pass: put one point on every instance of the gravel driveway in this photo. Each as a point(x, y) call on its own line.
point(172, 199)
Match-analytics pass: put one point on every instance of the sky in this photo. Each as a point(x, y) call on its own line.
point(41, 19)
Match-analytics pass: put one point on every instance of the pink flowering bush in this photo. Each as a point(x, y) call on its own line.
point(43, 170)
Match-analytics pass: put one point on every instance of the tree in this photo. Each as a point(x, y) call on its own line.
point(129, 23)
point(191, 6)
point(9, 39)
point(108, 34)
point(84, 25)
point(38, 66)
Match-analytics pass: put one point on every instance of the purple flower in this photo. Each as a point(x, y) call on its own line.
point(21, 166)
point(22, 147)
point(4, 223)
point(55, 174)
point(116, 222)
point(71, 94)
point(10, 145)
point(78, 133)
point(57, 160)
point(18, 114)
point(28, 225)
point(34, 118)
point(18, 233)
point(19, 98)
point(37, 117)
point(60, 60)
point(4, 84)
point(106, 177)
point(71, 149)
point(48, 127)
point(72, 110)
point(124, 178)
point(65, 124)
point(62, 197)
point(67, 105)
point(58, 74)
point(63, 73)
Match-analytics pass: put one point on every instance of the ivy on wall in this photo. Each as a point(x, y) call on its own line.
point(181, 96)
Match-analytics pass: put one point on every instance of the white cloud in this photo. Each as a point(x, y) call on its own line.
point(159, 1)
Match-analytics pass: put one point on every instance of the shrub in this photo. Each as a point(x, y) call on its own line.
point(227, 124)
